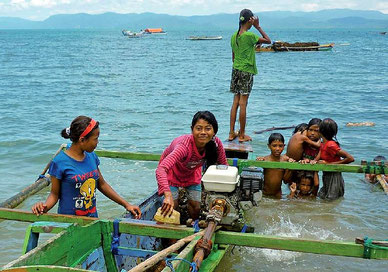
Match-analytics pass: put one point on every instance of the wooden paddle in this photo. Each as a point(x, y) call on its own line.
point(164, 253)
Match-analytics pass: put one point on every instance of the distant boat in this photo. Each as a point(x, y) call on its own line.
point(198, 38)
point(383, 33)
point(131, 34)
point(154, 31)
point(299, 46)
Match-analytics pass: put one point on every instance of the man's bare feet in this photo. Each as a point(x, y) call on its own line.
point(244, 138)
point(232, 136)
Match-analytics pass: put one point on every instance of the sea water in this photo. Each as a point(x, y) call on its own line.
point(144, 93)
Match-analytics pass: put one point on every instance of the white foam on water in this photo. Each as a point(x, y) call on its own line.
point(285, 226)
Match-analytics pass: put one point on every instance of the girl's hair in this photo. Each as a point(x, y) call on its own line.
point(301, 127)
point(211, 147)
point(245, 15)
point(78, 125)
point(314, 121)
point(275, 137)
point(328, 129)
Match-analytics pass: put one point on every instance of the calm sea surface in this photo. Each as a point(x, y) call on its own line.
point(145, 91)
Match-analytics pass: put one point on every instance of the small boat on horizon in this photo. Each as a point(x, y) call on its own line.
point(131, 34)
point(154, 31)
point(205, 38)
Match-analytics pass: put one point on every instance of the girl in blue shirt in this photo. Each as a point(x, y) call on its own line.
point(75, 175)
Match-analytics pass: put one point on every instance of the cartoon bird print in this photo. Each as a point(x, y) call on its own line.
point(88, 190)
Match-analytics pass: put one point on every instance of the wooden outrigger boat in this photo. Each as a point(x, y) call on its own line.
point(287, 47)
point(83, 243)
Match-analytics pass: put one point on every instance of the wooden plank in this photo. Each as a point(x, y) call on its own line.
point(352, 168)
point(215, 257)
point(19, 215)
point(235, 145)
point(150, 228)
point(106, 231)
point(63, 249)
point(347, 249)
point(128, 155)
point(43, 268)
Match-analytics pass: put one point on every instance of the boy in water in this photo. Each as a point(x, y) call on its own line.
point(273, 177)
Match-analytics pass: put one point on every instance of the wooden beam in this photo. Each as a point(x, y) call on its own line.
point(150, 228)
point(64, 249)
point(44, 268)
point(347, 249)
point(19, 215)
point(128, 155)
point(353, 168)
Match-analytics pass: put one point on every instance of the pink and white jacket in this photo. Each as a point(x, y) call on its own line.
point(181, 164)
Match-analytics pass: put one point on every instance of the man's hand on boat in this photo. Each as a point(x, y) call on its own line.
point(135, 210)
point(168, 204)
point(39, 208)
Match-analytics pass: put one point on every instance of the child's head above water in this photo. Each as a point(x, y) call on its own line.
point(300, 128)
point(275, 137)
point(305, 182)
point(276, 144)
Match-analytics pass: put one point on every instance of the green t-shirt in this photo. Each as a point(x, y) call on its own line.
point(245, 52)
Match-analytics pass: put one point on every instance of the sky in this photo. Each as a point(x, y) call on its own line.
point(42, 9)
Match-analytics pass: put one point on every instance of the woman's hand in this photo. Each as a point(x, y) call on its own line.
point(135, 210)
point(39, 208)
point(168, 204)
point(260, 158)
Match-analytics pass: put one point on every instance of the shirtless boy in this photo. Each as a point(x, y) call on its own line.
point(273, 177)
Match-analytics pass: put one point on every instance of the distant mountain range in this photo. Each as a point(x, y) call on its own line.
point(333, 18)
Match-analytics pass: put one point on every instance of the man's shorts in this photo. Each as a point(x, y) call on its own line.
point(193, 192)
point(241, 82)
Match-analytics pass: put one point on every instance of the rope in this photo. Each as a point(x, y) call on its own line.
point(368, 246)
point(115, 237)
point(169, 261)
point(196, 226)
